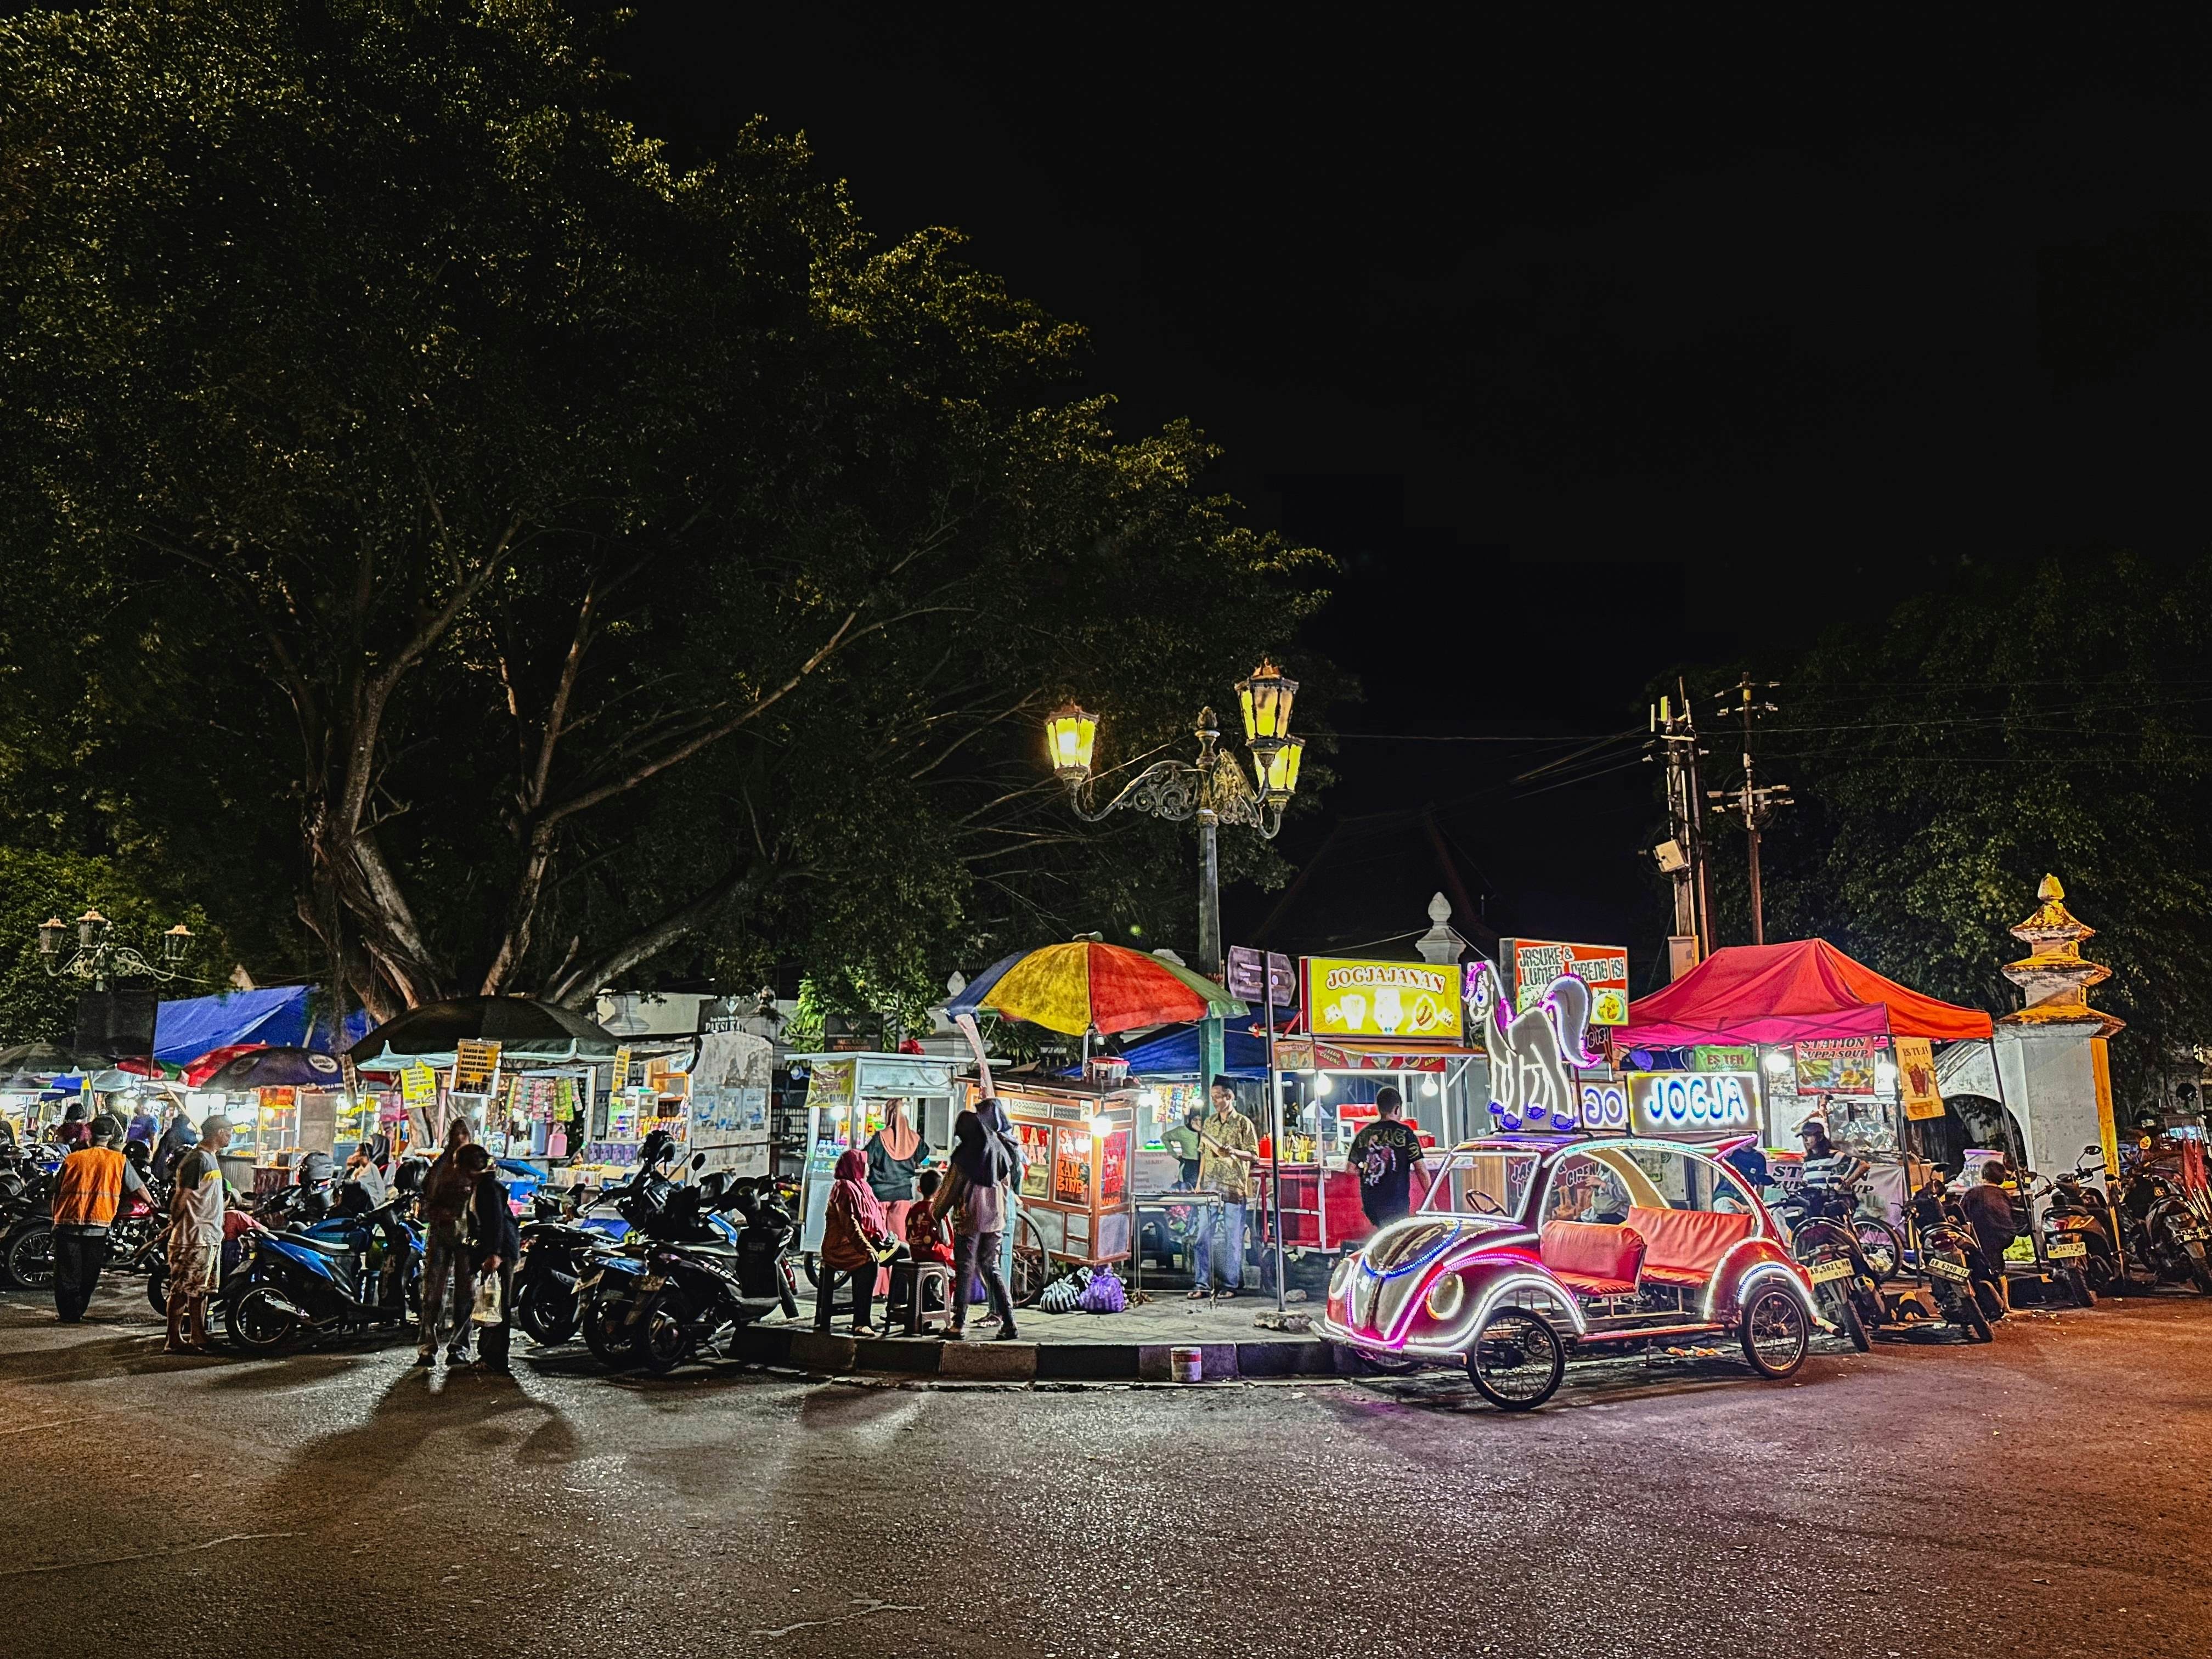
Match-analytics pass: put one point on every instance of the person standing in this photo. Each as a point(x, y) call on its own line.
point(852, 1234)
point(1228, 1144)
point(74, 1130)
point(493, 1242)
point(143, 1126)
point(446, 1280)
point(986, 1158)
point(176, 1141)
point(1183, 1142)
point(196, 1212)
point(93, 1181)
point(1988, 1209)
point(894, 1152)
point(1384, 1156)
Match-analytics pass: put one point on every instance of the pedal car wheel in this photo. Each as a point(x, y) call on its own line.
point(1366, 1362)
point(1517, 1360)
point(1776, 1331)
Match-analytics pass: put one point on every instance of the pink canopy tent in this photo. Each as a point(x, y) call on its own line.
point(1790, 993)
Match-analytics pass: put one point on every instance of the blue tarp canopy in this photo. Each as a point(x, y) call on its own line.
point(183, 1031)
point(1174, 1052)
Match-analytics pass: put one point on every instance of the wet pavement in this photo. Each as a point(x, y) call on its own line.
point(2048, 1495)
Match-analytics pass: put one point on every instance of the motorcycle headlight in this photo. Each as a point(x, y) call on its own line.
point(1342, 1278)
point(1446, 1298)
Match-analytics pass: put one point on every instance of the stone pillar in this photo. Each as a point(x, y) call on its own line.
point(2050, 1053)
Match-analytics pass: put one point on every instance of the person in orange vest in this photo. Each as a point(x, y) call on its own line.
point(93, 1181)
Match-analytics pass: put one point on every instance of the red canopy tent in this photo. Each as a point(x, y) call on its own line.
point(1791, 993)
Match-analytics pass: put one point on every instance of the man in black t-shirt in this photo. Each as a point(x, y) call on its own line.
point(1383, 1156)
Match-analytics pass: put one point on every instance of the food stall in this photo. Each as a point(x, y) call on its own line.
point(1077, 1193)
point(848, 1095)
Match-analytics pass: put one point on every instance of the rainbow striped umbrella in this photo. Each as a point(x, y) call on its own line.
point(1090, 986)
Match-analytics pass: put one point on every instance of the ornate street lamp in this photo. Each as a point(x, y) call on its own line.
point(98, 958)
point(1211, 789)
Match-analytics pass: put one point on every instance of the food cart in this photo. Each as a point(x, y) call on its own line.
point(1078, 1199)
point(847, 1096)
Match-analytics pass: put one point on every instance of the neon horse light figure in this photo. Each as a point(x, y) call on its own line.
point(1530, 1052)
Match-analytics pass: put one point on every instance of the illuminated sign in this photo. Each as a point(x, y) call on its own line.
point(1403, 1000)
point(1533, 964)
point(1605, 1106)
point(1687, 1104)
point(1531, 1052)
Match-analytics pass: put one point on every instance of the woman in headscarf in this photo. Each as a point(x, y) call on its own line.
point(894, 1152)
point(986, 1158)
point(852, 1238)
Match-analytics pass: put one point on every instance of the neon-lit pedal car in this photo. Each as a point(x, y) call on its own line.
point(1529, 1248)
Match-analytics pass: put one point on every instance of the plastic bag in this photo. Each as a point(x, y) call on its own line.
point(488, 1310)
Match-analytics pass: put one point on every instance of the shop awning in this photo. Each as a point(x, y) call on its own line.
point(1306, 1053)
point(1793, 993)
point(1174, 1053)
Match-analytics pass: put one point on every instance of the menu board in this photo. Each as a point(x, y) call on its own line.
point(1836, 1066)
point(1347, 997)
point(1071, 1168)
point(1037, 1158)
point(1113, 1170)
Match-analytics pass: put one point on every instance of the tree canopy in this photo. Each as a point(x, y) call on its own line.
point(473, 552)
point(1947, 754)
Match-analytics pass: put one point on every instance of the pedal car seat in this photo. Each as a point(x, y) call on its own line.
point(1682, 1247)
point(1592, 1258)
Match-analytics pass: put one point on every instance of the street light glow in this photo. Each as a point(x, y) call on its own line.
point(1070, 735)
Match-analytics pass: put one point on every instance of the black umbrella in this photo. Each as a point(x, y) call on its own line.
point(276, 1069)
point(519, 1025)
point(46, 1059)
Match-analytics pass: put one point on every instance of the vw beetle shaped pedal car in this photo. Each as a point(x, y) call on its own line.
point(1530, 1248)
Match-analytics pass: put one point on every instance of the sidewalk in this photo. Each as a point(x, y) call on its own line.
point(1128, 1346)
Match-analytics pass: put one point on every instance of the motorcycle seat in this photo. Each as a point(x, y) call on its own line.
point(321, 1247)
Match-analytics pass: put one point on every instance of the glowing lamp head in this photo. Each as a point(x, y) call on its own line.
point(1070, 734)
point(1266, 699)
point(1276, 766)
point(1099, 1125)
point(1777, 1062)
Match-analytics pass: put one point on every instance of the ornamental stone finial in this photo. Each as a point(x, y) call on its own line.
point(2053, 979)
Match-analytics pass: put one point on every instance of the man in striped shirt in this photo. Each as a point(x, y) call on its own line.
point(93, 1181)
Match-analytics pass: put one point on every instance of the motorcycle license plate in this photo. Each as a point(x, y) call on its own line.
point(1827, 1270)
point(2067, 1247)
point(1950, 1270)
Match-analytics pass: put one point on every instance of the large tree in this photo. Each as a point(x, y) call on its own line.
point(1947, 753)
point(570, 551)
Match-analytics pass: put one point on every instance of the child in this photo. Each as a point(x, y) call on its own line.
point(925, 1231)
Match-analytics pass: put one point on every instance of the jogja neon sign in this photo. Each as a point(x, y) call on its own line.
point(1691, 1102)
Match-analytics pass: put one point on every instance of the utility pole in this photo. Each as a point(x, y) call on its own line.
point(1675, 738)
point(1756, 804)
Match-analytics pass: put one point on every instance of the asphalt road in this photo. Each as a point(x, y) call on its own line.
point(2048, 1495)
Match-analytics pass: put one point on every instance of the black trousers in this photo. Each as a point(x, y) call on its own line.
point(79, 1255)
point(863, 1280)
point(974, 1254)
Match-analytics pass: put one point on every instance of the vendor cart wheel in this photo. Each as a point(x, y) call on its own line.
point(1032, 1267)
point(1517, 1360)
point(1776, 1332)
point(1881, 1247)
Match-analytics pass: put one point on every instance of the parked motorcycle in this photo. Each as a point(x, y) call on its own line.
point(2168, 1238)
point(697, 1285)
point(2075, 1242)
point(27, 1223)
point(1844, 1283)
point(294, 1287)
point(1947, 1247)
point(559, 1252)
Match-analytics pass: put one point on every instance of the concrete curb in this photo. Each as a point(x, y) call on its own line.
point(793, 1348)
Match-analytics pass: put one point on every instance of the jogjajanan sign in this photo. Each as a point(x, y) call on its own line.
point(1402, 1001)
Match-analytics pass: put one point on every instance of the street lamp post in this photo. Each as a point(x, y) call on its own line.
point(98, 957)
point(1212, 789)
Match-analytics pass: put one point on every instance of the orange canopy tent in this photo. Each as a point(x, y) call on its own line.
point(1791, 993)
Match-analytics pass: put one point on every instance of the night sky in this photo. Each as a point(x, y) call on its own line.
point(1591, 353)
